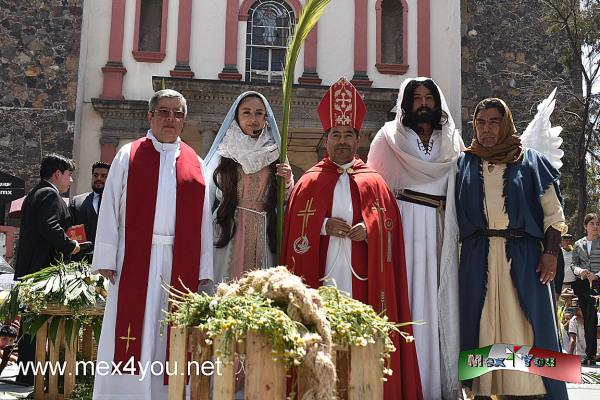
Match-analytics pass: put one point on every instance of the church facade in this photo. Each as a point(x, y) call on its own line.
point(76, 75)
point(213, 50)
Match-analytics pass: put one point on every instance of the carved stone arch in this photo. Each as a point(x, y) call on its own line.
point(245, 7)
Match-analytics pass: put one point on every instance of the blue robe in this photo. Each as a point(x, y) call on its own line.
point(524, 184)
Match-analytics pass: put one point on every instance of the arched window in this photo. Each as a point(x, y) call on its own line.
point(270, 25)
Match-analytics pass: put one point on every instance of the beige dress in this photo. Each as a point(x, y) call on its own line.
point(502, 319)
point(248, 249)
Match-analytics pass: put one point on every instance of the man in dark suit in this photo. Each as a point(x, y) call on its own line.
point(42, 239)
point(85, 207)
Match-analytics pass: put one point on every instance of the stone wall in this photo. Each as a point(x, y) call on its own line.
point(39, 59)
point(508, 53)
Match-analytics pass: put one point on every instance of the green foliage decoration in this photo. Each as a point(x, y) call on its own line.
point(68, 287)
point(232, 317)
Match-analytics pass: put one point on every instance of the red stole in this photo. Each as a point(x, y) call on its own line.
point(142, 188)
point(304, 251)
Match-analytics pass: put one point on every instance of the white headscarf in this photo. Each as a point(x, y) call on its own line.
point(452, 143)
point(409, 168)
point(252, 153)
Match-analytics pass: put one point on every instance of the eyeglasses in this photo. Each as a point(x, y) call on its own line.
point(166, 113)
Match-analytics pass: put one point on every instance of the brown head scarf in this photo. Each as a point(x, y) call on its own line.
point(508, 149)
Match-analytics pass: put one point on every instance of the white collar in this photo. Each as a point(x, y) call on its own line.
point(163, 147)
point(344, 166)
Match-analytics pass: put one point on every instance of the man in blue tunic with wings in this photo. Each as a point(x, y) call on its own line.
point(510, 219)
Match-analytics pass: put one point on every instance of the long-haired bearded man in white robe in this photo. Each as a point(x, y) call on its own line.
point(416, 154)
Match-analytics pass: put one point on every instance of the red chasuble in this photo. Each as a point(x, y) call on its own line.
point(382, 260)
point(142, 187)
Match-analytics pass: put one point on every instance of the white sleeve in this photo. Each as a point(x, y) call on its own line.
point(206, 252)
point(323, 230)
point(573, 325)
point(107, 232)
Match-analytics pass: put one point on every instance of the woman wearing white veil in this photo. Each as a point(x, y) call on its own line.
point(242, 164)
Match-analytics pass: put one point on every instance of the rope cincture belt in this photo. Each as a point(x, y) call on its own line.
point(433, 201)
point(505, 233)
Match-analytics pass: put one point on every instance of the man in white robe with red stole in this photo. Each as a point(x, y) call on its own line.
point(338, 207)
point(154, 225)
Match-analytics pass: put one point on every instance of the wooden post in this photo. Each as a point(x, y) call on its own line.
point(54, 360)
point(87, 344)
point(40, 357)
point(70, 361)
point(48, 352)
point(199, 383)
point(342, 366)
point(178, 363)
point(265, 378)
point(224, 384)
point(366, 377)
point(301, 378)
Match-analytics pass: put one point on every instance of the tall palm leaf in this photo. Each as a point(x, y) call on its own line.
point(311, 12)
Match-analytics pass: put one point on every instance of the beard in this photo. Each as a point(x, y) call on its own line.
point(424, 115)
point(98, 190)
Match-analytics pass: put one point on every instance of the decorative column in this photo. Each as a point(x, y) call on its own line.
point(423, 38)
point(230, 71)
point(310, 75)
point(108, 149)
point(182, 67)
point(112, 88)
point(361, 13)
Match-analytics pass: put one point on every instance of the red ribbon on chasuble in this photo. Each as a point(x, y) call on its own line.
point(142, 187)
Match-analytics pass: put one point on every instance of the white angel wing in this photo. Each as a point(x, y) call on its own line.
point(541, 136)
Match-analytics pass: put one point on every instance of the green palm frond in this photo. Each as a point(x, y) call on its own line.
point(311, 12)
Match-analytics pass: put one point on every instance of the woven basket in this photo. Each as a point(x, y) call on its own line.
point(62, 310)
